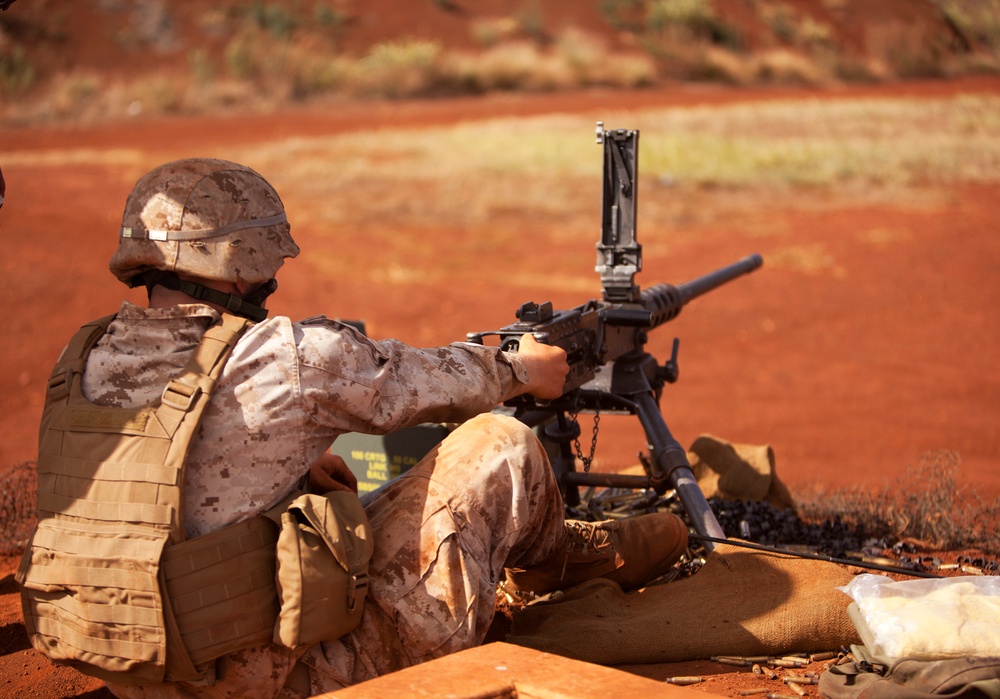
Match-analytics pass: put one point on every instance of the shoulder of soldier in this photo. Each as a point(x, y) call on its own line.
point(334, 324)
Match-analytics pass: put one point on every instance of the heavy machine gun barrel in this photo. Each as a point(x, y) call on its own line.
point(665, 301)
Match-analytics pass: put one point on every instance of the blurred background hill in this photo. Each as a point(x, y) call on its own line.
point(98, 59)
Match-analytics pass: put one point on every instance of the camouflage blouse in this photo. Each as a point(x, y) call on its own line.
point(288, 391)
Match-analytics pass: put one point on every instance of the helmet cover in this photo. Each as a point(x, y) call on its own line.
point(206, 218)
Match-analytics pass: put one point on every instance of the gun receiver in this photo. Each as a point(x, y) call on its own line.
point(605, 345)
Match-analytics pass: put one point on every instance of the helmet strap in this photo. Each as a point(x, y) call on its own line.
point(249, 307)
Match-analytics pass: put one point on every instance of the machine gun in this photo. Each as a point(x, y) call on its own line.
point(605, 341)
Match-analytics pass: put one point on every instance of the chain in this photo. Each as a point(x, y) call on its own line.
point(587, 460)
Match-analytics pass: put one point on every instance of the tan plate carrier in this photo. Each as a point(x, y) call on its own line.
point(108, 583)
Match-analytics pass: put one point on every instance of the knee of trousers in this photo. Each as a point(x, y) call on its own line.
point(511, 438)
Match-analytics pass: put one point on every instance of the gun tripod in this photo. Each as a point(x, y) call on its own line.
point(632, 385)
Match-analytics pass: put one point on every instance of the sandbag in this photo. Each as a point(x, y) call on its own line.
point(738, 471)
point(741, 602)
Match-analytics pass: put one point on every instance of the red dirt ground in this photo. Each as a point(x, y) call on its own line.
point(851, 373)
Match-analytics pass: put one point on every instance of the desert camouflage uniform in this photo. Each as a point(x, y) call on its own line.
point(485, 499)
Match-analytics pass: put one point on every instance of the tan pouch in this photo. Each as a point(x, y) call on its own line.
point(324, 547)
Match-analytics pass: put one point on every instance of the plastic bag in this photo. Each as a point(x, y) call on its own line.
point(927, 618)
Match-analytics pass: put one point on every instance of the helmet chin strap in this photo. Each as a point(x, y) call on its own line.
point(249, 307)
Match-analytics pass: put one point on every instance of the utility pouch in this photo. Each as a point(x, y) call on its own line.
point(324, 547)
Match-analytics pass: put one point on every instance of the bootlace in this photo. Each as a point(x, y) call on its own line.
point(583, 535)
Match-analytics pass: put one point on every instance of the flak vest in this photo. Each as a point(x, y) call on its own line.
point(109, 585)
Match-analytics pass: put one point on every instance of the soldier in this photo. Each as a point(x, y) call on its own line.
point(206, 237)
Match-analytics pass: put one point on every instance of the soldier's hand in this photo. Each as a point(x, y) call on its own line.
point(330, 472)
point(546, 365)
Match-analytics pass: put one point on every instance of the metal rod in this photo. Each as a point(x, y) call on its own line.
point(813, 556)
point(670, 461)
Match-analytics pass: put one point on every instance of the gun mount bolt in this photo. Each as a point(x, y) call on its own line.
point(683, 681)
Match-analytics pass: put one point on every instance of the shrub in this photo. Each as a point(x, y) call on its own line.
point(17, 74)
point(274, 18)
point(977, 20)
point(398, 69)
point(925, 504)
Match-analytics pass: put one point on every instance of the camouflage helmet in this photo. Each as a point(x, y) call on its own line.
point(206, 218)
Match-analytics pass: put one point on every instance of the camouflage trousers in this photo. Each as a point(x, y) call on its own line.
point(483, 500)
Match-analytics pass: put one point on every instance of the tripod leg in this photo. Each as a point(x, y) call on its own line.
point(670, 464)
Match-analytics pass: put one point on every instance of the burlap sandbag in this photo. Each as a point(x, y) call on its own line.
point(741, 602)
point(737, 471)
point(734, 471)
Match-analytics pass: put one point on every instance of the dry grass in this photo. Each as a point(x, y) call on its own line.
point(924, 506)
point(865, 146)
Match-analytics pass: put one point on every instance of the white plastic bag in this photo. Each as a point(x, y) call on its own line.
point(927, 618)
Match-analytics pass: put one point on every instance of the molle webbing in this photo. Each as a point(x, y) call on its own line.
point(221, 588)
point(110, 536)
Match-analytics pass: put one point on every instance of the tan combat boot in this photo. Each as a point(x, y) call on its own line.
point(631, 552)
